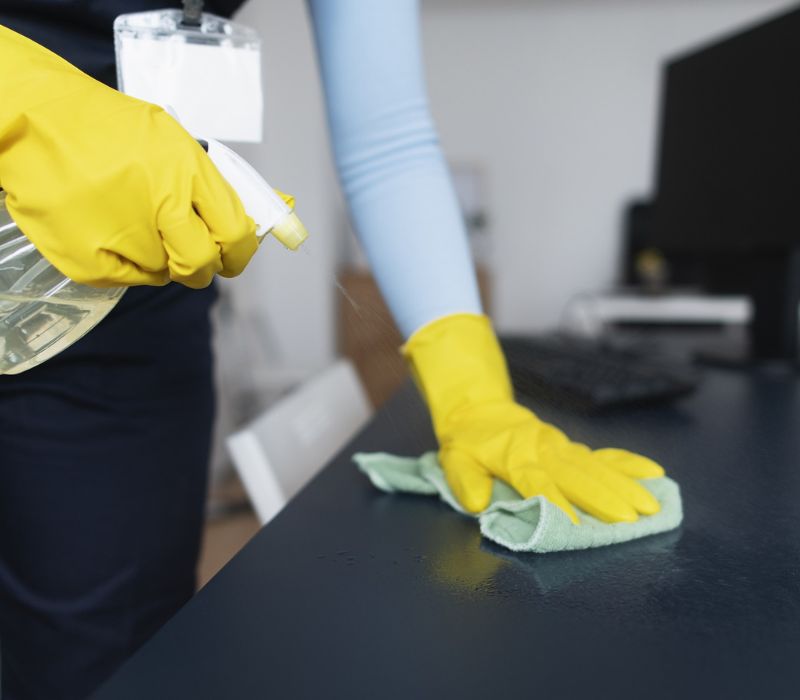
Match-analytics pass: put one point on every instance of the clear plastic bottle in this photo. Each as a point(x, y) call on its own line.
point(42, 312)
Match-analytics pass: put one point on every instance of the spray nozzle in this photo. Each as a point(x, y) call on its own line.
point(270, 212)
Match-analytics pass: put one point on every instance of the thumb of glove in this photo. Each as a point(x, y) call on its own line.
point(470, 483)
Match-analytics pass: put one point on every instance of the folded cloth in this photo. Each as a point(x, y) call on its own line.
point(522, 524)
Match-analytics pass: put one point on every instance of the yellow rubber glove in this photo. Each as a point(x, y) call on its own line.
point(110, 189)
point(483, 433)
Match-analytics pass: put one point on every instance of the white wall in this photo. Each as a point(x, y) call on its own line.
point(292, 293)
point(559, 99)
point(556, 98)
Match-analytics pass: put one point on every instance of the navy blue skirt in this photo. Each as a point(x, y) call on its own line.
point(103, 463)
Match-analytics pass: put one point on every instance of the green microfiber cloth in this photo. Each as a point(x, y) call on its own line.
point(522, 525)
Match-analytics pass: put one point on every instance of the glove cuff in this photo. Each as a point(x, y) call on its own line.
point(456, 361)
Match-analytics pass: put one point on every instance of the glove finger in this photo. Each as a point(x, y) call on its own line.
point(626, 488)
point(127, 275)
point(534, 482)
point(470, 483)
point(117, 271)
point(223, 213)
point(550, 435)
point(629, 463)
point(591, 496)
point(553, 494)
point(193, 256)
point(530, 481)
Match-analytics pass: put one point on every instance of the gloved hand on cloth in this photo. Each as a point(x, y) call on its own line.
point(483, 433)
point(110, 189)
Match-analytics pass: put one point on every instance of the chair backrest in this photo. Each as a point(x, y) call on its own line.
point(279, 452)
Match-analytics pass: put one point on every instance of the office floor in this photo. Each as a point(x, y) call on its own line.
point(230, 523)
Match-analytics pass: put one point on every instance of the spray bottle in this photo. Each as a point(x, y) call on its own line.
point(42, 312)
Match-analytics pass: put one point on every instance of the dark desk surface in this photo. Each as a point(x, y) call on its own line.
point(350, 593)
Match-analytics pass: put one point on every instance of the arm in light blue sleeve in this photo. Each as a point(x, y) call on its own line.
point(391, 166)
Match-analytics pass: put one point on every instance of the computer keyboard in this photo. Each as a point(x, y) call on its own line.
point(591, 374)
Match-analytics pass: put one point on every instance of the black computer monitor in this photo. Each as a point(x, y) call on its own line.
point(728, 178)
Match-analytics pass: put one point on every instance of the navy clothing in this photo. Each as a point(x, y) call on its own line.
point(103, 450)
point(103, 462)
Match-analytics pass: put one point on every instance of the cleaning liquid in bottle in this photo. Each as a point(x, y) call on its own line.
point(41, 311)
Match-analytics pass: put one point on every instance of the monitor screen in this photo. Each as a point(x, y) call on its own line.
point(728, 178)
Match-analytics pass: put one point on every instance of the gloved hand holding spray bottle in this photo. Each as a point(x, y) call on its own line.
point(101, 191)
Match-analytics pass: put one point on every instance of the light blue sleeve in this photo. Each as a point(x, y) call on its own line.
point(390, 164)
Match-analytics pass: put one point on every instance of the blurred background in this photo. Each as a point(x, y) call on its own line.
point(548, 113)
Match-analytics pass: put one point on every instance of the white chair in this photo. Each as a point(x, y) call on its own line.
point(278, 453)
